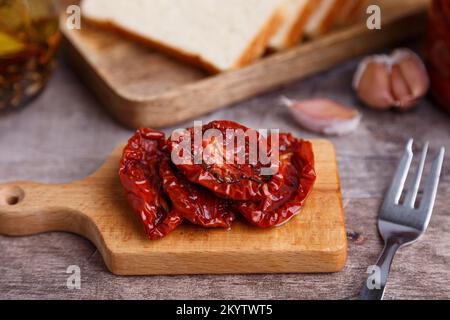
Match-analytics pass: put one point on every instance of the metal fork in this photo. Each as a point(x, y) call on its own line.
point(401, 224)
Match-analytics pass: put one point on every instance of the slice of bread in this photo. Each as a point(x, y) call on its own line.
point(323, 18)
point(351, 12)
point(297, 13)
point(218, 35)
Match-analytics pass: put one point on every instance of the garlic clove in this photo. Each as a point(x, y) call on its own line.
point(324, 116)
point(374, 85)
point(400, 89)
point(397, 80)
point(414, 71)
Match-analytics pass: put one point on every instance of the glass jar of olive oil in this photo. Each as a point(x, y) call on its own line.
point(29, 41)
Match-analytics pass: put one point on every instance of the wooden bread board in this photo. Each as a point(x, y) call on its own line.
point(143, 88)
point(95, 207)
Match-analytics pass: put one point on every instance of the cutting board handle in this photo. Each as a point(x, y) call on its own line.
point(96, 208)
point(28, 208)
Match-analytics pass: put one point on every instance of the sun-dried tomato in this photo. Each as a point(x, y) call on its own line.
point(140, 178)
point(163, 192)
point(275, 210)
point(196, 203)
point(231, 178)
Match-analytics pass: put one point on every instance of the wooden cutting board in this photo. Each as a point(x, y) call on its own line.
point(95, 207)
point(143, 88)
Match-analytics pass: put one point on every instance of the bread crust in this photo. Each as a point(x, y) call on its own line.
point(175, 53)
point(254, 50)
point(296, 33)
point(329, 20)
point(259, 44)
point(349, 16)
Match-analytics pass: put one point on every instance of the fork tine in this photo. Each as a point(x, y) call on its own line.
point(397, 184)
point(430, 191)
point(412, 194)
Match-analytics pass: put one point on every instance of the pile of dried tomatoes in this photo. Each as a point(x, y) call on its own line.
point(164, 192)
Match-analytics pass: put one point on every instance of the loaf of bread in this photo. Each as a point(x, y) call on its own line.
point(216, 34)
point(290, 33)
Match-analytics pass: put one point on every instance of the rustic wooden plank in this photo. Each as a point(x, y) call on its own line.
point(65, 135)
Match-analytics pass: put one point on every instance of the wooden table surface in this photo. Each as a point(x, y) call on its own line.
point(66, 135)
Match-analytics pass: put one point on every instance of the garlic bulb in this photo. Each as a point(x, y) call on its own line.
point(398, 80)
point(324, 116)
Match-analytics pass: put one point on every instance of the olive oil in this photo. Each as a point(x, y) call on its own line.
point(29, 41)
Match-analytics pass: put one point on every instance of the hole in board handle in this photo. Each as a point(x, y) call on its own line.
point(11, 196)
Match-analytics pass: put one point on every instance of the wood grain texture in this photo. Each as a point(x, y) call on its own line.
point(143, 88)
point(65, 135)
point(95, 207)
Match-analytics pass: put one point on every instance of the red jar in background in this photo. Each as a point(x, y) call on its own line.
point(437, 50)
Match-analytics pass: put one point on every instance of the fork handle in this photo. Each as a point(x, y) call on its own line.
point(375, 284)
